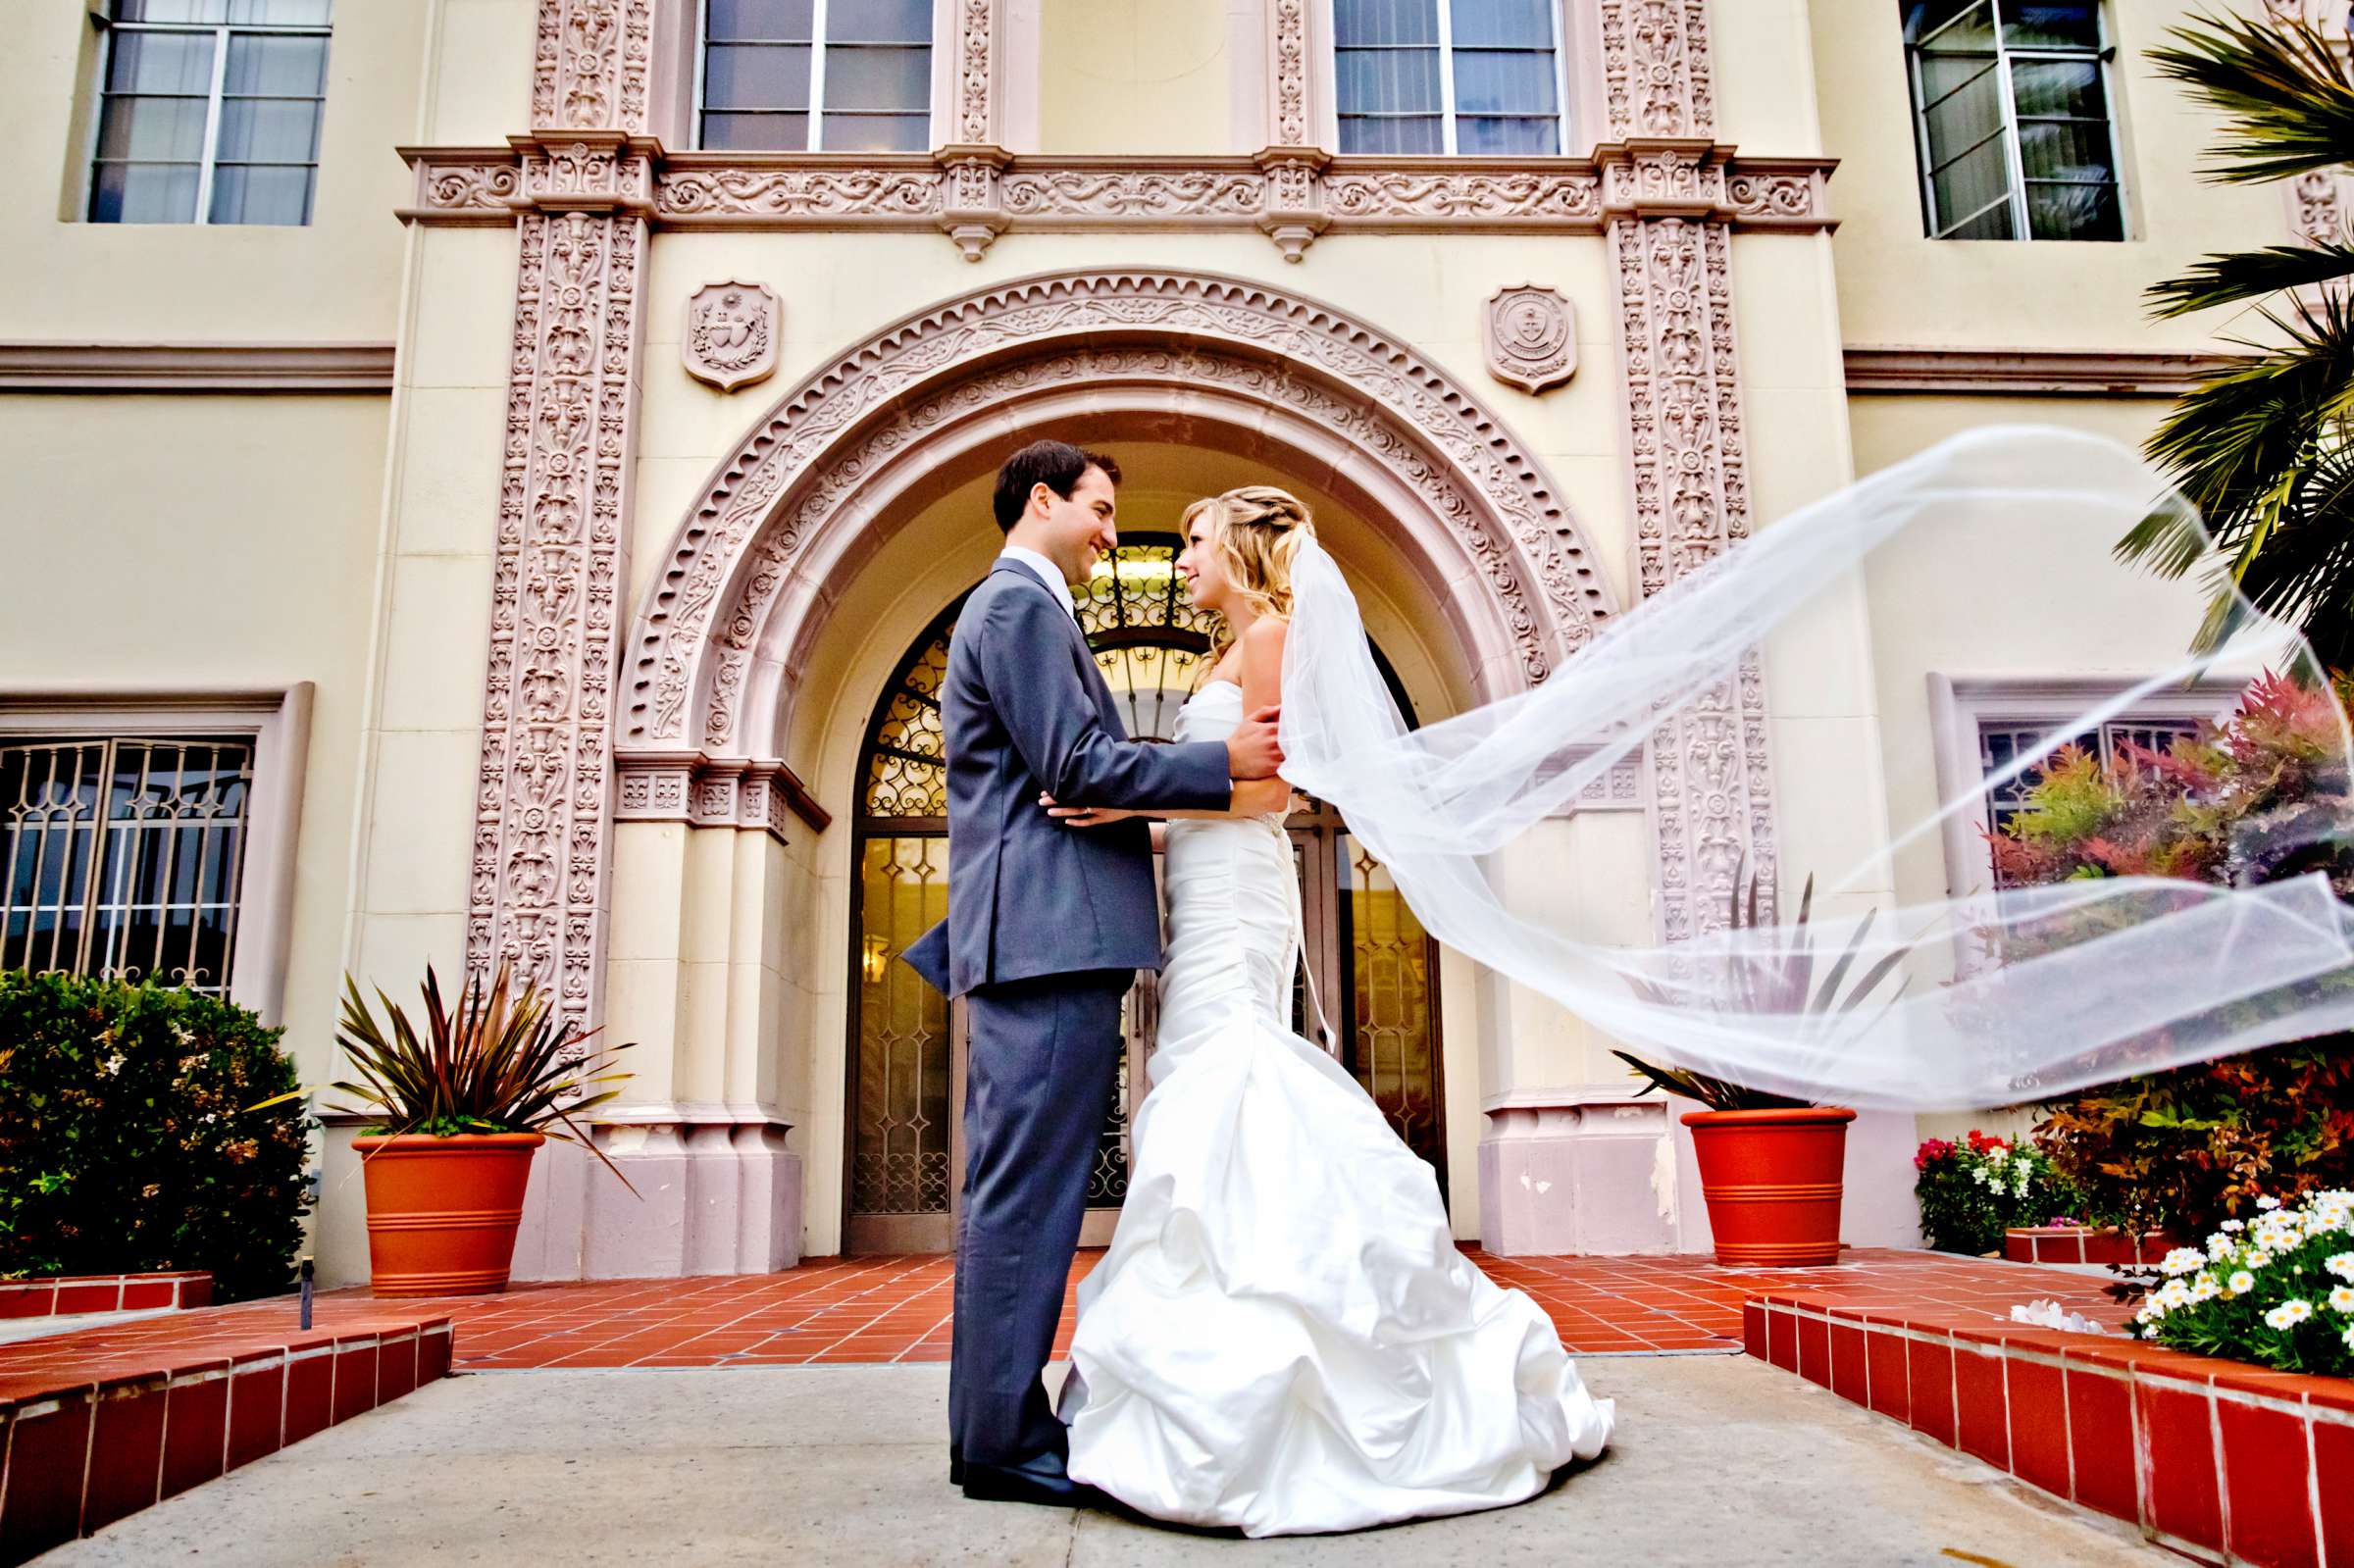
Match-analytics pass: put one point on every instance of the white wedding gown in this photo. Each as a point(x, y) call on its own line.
point(1282, 1336)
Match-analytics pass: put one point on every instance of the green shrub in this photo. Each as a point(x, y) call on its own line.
point(127, 1137)
point(1971, 1192)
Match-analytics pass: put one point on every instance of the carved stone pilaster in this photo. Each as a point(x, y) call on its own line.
point(582, 192)
point(590, 64)
point(1655, 67)
point(973, 199)
point(1689, 473)
point(977, 49)
point(1288, 108)
point(1295, 211)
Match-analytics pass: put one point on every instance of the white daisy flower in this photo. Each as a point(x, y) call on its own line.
point(2234, 1226)
point(2267, 1202)
point(2341, 1301)
point(2240, 1283)
point(2349, 1338)
point(2341, 1265)
point(2206, 1288)
point(2183, 1260)
point(2288, 1314)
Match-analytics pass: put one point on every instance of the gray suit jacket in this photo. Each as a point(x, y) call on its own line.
point(1024, 709)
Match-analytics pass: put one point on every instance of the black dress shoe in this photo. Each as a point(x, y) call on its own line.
point(1039, 1479)
point(955, 1465)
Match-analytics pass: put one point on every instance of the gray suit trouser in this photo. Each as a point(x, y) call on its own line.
point(1040, 1066)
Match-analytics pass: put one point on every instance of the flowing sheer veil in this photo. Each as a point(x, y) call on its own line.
point(1992, 996)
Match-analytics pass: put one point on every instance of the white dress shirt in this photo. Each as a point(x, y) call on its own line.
point(1046, 570)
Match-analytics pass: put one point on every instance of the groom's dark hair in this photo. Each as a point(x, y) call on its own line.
point(1057, 465)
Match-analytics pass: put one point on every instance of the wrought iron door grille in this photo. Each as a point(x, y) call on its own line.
point(122, 856)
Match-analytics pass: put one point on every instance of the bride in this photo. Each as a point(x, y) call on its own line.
point(1282, 1337)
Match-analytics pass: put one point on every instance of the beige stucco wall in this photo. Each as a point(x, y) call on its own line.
point(1897, 288)
point(335, 281)
point(209, 542)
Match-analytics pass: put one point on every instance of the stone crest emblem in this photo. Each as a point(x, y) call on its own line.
point(731, 334)
point(1531, 337)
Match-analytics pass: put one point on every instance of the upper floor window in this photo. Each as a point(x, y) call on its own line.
point(815, 76)
point(1473, 77)
point(209, 110)
point(2011, 110)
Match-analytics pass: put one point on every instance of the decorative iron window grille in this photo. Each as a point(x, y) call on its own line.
point(209, 110)
point(815, 76)
point(1472, 76)
point(2000, 745)
point(123, 856)
point(2010, 114)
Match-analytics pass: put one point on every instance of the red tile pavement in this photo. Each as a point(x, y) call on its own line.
point(194, 1338)
point(886, 1309)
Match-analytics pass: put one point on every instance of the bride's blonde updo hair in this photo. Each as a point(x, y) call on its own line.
point(1257, 529)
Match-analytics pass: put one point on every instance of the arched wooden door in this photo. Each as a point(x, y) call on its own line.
point(1376, 970)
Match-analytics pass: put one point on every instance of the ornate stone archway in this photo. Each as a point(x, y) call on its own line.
point(786, 510)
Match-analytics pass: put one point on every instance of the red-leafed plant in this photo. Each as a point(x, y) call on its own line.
point(2256, 799)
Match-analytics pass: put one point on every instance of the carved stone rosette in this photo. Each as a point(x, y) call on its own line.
point(730, 335)
point(1530, 334)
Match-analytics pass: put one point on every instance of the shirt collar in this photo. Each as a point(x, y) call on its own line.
point(1045, 571)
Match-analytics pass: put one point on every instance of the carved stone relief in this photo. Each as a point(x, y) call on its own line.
point(1530, 334)
point(731, 332)
point(734, 553)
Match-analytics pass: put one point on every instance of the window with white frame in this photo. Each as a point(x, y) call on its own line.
point(2011, 119)
point(815, 76)
point(124, 855)
point(1468, 76)
point(209, 110)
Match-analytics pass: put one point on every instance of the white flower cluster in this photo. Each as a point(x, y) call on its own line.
point(2237, 1258)
point(2001, 1170)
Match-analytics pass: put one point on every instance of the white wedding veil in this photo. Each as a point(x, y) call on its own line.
point(1994, 996)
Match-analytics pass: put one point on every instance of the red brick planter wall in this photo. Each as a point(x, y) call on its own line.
point(2081, 1244)
point(2206, 1457)
point(60, 1294)
point(86, 1440)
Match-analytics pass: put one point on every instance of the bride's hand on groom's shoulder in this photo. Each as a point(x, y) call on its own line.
point(1081, 816)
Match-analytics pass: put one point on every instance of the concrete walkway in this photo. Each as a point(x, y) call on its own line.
point(1720, 1459)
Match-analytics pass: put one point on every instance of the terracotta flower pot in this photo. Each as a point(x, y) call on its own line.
point(443, 1211)
point(1772, 1180)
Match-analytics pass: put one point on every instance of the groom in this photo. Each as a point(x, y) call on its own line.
point(1046, 931)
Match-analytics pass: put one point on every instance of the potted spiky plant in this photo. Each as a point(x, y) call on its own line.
point(1773, 1166)
point(462, 1103)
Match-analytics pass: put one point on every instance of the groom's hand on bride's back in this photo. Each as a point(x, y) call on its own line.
point(1252, 751)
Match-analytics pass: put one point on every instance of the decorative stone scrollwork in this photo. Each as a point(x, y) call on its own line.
point(730, 337)
point(1530, 334)
point(779, 196)
point(1400, 196)
point(1101, 193)
point(706, 791)
point(462, 186)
